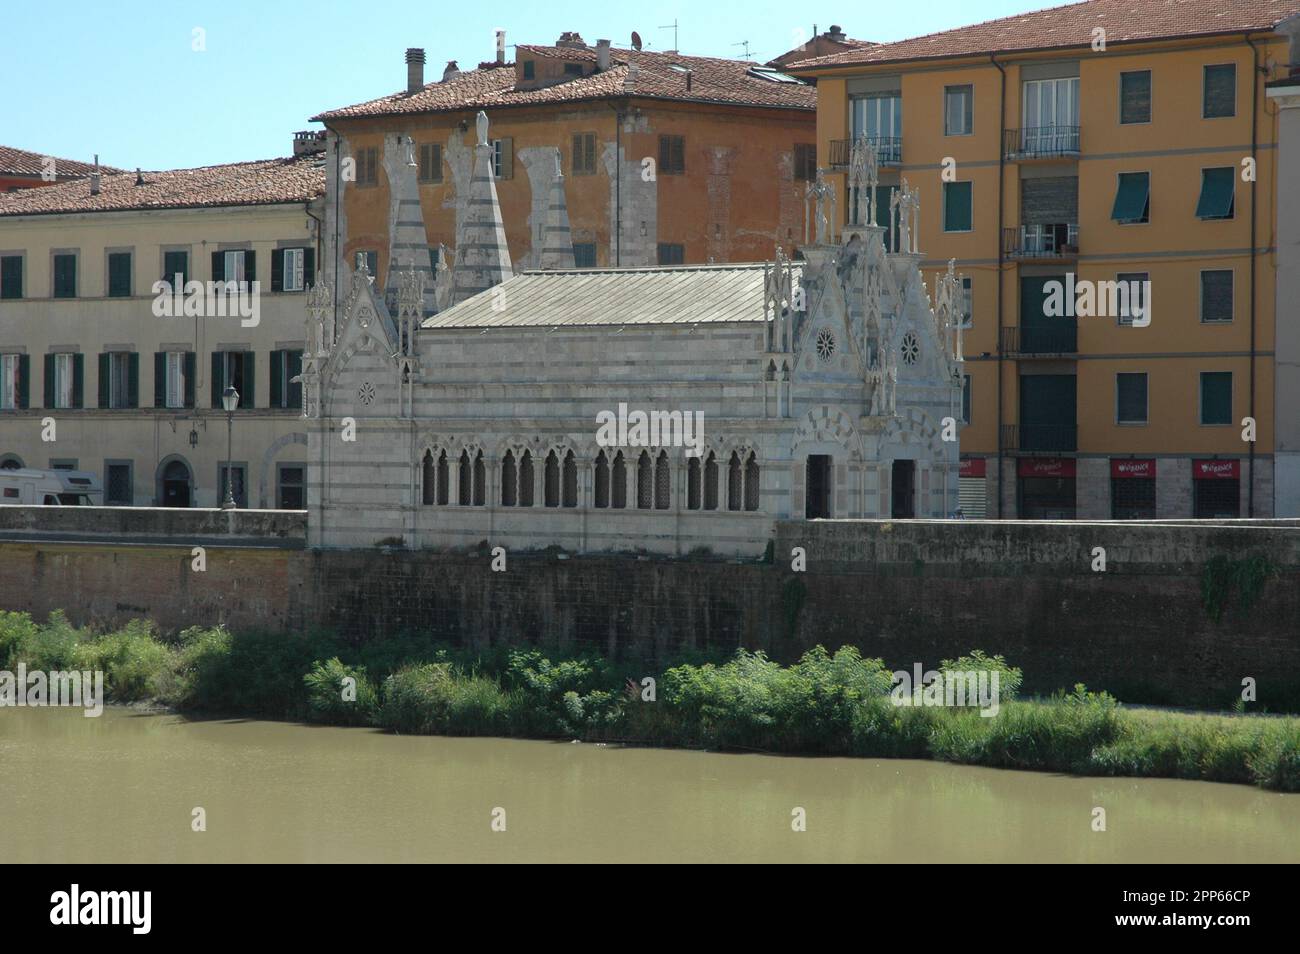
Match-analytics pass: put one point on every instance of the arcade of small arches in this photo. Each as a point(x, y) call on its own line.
point(619, 481)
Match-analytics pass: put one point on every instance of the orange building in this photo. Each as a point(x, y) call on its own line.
point(667, 159)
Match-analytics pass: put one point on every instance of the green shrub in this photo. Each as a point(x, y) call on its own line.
point(433, 699)
point(1009, 677)
point(325, 694)
point(16, 631)
point(134, 662)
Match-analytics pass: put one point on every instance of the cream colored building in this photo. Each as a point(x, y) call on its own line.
point(94, 373)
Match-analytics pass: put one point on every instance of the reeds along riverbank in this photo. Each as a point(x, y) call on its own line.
point(825, 704)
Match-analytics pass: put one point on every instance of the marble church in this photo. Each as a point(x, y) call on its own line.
point(461, 402)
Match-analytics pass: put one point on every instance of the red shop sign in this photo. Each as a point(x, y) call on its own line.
point(1216, 469)
point(1045, 467)
point(973, 466)
point(1126, 467)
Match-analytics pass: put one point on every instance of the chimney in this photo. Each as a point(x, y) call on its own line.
point(629, 81)
point(94, 178)
point(414, 69)
point(451, 72)
point(308, 142)
point(501, 47)
point(139, 176)
point(602, 55)
point(835, 33)
point(571, 40)
point(688, 80)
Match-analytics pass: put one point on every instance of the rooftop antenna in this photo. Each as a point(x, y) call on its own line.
point(672, 26)
point(745, 44)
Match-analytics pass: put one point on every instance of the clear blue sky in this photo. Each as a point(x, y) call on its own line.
point(120, 78)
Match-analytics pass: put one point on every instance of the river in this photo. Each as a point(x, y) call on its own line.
point(123, 788)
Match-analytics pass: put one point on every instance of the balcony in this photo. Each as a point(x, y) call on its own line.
point(1054, 337)
point(889, 151)
point(1042, 142)
point(1040, 438)
point(1050, 242)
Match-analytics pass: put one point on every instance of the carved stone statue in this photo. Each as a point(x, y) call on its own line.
point(481, 122)
point(864, 176)
point(410, 152)
point(819, 206)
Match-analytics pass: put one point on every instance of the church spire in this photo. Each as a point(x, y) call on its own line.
point(557, 241)
point(410, 243)
point(482, 256)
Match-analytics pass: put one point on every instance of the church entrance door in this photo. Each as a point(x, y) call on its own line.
point(819, 487)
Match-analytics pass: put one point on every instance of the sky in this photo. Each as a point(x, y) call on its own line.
point(125, 79)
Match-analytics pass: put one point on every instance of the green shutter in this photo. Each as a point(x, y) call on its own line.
point(189, 378)
point(1217, 193)
point(277, 269)
point(1216, 397)
point(277, 368)
point(1135, 97)
point(956, 206)
point(11, 276)
point(104, 379)
point(1220, 91)
point(78, 380)
point(159, 379)
point(218, 266)
point(1131, 197)
point(218, 378)
point(119, 275)
point(308, 267)
point(248, 399)
point(49, 381)
point(24, 381)
point(1216, 295)
point(294, 359)
point(250, 266)
point(133, 380)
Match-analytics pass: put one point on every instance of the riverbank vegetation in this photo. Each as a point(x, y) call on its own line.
point(825, 704)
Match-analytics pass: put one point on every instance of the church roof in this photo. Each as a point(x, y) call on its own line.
point(672, 295)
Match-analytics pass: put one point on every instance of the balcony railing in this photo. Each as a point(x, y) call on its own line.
point(1057, 240)
point(1041, 142)
point(1053, 336)
point(889, 151)
point(1034, 438)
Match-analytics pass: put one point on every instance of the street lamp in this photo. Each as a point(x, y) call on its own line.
point(229, 400)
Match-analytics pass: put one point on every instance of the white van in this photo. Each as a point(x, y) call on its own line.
point(51, 488)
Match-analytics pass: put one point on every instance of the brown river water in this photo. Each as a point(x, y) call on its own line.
point(123, 788)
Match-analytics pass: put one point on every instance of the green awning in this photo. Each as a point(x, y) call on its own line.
point(1217, 188)
point(1131, 199)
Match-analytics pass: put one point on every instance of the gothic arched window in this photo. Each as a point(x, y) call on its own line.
point(663, 482)
point(509, 481)
point(570, 480)
point(618, 482)
point(480, 480)
point(551, 490)
point(426, 479)
point(711, 482)
point(733, 482)
point(526, 479)
point(602, 481)
point(443, 479)
point(645, 498)
point(464, 479)
point(692, 483)
point(751, 482)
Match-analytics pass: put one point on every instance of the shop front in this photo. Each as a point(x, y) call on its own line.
point(1046, 488)
point(972, 489)
point(1216, 489)
point(1132, 489)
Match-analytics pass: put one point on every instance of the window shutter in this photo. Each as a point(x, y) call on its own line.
point(277, 269)
point(189, 378)
point(956, 206)
point(159, 379)
point(308, 267)
point(1217, 192)
point(576, 164)
point(218, 266)
point(591, 151)
point(1050, 201)
point(49, 381)
point(679, 154)
point(1131, 197)
point(1135, 97)
point(250, 266)
point(277, 369)
point(294, 359)
point(1220, 94)
point(1216, 296)
point(218, 378)
point(24, 381)
point(507, 157)
point(133, 380)
point(104, 379)
point(247, 399)
point(78, 380)
point(665, 154)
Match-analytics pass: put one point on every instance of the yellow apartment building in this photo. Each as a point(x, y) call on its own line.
point(1122, 159)
point(101, 373)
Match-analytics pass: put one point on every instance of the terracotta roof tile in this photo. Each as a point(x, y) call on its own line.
point(21, 162)
point(1125, 21)
point(712, 80)
point(266, 182)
